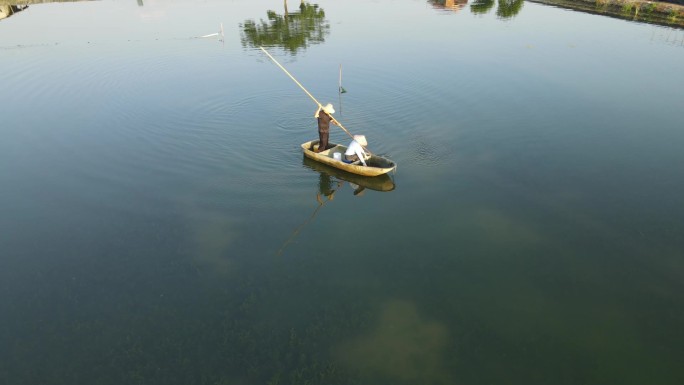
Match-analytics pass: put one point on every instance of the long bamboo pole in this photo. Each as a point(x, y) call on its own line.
point(307, 92)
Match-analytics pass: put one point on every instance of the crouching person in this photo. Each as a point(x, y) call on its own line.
point(356, 151)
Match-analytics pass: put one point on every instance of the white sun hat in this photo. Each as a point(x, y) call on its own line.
point(361, 139)
point(329, 109)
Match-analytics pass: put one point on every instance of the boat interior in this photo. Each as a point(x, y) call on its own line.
point(334, 148)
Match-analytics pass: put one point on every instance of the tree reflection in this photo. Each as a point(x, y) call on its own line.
point(506, 8)
point(291, 30)
point(481, 6)
point(509, 8)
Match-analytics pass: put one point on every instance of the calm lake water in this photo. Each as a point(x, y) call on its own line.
point(159, 225)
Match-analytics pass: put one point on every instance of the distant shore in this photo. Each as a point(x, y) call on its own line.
point(657, 12)
point(669, 13)
point(30, 2)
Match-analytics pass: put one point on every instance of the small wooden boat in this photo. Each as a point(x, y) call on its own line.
point(381, 183)
point(375, 164)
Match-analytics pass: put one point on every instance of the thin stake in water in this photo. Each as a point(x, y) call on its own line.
point(341, 89)
point(308, 93)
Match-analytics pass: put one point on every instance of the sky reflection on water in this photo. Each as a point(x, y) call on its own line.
point(161, 226)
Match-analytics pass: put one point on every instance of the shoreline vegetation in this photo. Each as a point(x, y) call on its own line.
point(656, 12)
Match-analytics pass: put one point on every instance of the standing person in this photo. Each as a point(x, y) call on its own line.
point(324, 116)
point(355, 150)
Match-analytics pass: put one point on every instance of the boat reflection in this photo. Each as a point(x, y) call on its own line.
point(330, 182)
point(381, 183)
point(291, 31)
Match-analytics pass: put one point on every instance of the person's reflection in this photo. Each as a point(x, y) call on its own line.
point(358, 190)
point(325, 190)
point(326, 184)
point(325, 187)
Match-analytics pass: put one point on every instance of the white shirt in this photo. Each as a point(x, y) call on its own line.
point(356, 148)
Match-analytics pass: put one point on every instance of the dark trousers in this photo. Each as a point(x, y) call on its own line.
point(323, 140)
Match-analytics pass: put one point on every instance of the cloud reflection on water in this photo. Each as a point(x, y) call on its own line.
point(403, 346)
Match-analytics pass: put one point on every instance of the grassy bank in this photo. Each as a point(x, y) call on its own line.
point(638, 10)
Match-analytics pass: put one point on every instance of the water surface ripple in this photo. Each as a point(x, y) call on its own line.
point(160, 225)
